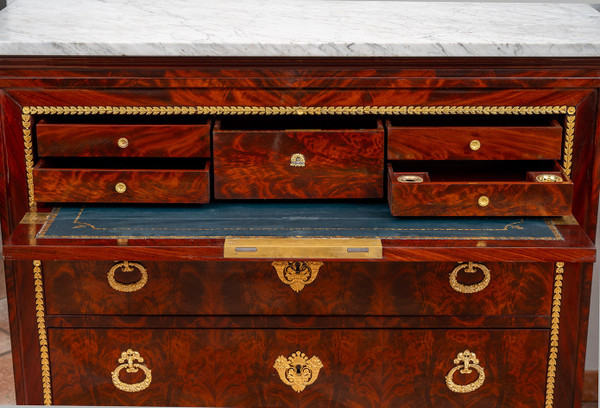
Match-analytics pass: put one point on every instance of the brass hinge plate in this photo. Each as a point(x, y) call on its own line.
point(305, 248)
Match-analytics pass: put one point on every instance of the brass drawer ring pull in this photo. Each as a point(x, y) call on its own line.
point(469, 267)
point(297, 274)
point(465, 362)
point(127, 361)
point(298, 371)
point(127, 266)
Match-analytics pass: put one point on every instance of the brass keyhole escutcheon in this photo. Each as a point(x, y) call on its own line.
point(466, 361)
point(297, 160)
point(475, 145)
point(483, 201)
point(297, 370)
point(123, 142)
point(128, 362)
point(120, 187)
point(297, 274)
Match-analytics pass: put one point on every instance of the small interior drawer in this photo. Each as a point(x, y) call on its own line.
point(112, 183)
point(298, 160)
point(482, 189)
point(493, 142)
point(123, 140)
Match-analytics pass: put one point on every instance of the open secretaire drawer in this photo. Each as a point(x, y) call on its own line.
point(481, 189)
point(118, 182)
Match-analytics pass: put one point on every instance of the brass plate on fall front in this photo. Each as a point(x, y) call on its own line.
point(312, 248)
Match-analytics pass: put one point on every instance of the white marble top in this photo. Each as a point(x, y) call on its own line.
point(296, 28)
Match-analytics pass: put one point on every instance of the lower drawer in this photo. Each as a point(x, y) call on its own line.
point(340, 368)
point(298, 288)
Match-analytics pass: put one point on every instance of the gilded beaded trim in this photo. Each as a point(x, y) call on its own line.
point(554, 331)
point(41, 323)
point(27, 111)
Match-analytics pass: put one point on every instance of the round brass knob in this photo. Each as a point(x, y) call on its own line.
point(120, 188)
point(123, 142)
point(483, 201)
point(475, 144)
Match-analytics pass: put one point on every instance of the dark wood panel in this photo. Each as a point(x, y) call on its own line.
point(340, 288)
point(181, 364)
point(337, 164)
point(495, 143)
point(24, 332)
point(103, 140)
point(550, 72)
point(514, 364)
point(141, 186)
point(463, 198)
point(359, 368)
point(307, 322)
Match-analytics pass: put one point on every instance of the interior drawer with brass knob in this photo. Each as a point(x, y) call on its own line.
point(121, 182)
point(541, 139)
point(285, 158)
point(412, 368)
point(519, 188)
point(122, 139)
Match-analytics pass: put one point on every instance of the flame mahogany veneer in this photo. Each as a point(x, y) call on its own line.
point(386, 331)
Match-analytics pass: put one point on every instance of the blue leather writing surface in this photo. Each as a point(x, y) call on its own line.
point(223, 220)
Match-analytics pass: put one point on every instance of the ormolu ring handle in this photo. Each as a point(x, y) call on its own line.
point(129, 287)
point(470, 268)
point(127, 358)
point(466, 361)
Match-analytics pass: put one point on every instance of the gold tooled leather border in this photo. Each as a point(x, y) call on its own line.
point(28, 111)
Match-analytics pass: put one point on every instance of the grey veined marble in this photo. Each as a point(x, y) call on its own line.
point(296, 28)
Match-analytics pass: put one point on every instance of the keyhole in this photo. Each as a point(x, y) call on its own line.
point(298, 369)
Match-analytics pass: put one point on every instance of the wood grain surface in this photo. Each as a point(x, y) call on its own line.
point(144, 140)
point(340, 288)
point(453, 143)
point(83, 185)
point(373, 368)
point(461, 198)
point(338, 164)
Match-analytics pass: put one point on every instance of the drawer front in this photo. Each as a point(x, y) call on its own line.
point(298, 288)
point(97, 140)
point(477, 198)
point(121, 185)
point(298, 164)
point(475, 143)
point(342, 368)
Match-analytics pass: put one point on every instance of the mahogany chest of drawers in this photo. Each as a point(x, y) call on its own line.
point(299, 232)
